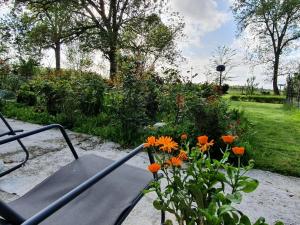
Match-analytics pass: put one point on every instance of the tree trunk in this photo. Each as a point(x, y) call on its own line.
point(275, 74)
point(57, 55)
point(113, 63)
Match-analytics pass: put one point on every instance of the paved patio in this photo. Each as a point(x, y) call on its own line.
point(277, 197)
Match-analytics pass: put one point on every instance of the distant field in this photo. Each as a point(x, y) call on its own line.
point(277, 136)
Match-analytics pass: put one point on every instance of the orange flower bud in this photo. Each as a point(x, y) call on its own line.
point(154, 167)
point(183, 136)
point(228, 139)
point(238, 150)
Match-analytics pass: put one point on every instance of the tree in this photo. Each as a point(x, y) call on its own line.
point(77, 57)
point(104, 22)
point(14, 39)
point(275, 24)
point(109, 19)
point(49, 26)
point(222, 55)
point(149, 40)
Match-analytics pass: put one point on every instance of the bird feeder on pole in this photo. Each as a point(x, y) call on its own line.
point(221, 69)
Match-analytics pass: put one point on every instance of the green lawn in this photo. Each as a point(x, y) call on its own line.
point(277, 136)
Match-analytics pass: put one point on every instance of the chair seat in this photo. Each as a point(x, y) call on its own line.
point(105, 203)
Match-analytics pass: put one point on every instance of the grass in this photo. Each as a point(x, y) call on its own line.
point(276, 144)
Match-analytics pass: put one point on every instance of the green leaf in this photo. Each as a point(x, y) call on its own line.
point(235, 198)
point(245, 220)
point(279, 223)
point(224, 209)
point(260, 221)
point(157, 205)
point(248, 185)
point(168, 222)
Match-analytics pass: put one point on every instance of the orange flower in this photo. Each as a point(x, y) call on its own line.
point(202, 140)
point(228, 139)
point(183, 136)
point(167, 163)
point(182, 155)
point(238, 150)
point(166, 144)
point(161, 140)
point(204, 144)
point(175, 161)
point(154, 167)
point(150, 142)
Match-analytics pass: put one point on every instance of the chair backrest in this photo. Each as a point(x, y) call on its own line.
point(10, 215)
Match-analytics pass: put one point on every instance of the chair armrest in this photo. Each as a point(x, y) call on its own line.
point(42, 129)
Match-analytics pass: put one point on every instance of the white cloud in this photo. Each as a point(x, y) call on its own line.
point(201, 17)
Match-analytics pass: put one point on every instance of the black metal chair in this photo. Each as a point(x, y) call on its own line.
point(88, 191)
point(11, 131)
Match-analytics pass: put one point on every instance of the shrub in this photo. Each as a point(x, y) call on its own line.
point(225, 88)
point(258, 98)
point(66, 95)
point(90, 90)
point(26, 95)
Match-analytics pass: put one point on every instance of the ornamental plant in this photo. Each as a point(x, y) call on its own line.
point(196, 188)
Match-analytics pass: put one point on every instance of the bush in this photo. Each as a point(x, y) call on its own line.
point(26, 95)
point(259, 98)
point(225, 88)
point(66, 95)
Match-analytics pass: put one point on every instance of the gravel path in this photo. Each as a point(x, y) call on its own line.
point(277, 197)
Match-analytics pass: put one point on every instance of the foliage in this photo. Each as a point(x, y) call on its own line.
point(66, 95)
point(148, 39)
point(225, 88)
point(275, 26)
point(259, 98)
point(197, 191)
point(26, 95)
point(48, 26)
point(251, 86)
point(135, 103)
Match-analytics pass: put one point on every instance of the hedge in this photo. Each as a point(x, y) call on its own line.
point(259, 98)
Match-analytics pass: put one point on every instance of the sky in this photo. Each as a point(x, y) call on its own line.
point(209, 24)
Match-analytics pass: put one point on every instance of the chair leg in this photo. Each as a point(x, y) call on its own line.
point(163, 217)
point(13, 132)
